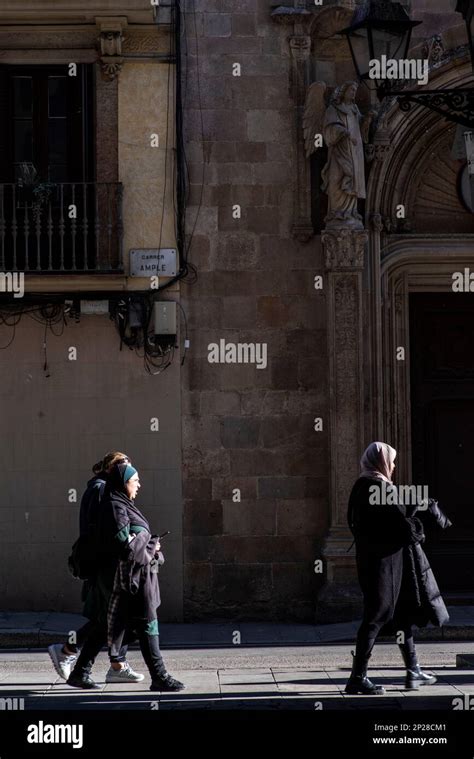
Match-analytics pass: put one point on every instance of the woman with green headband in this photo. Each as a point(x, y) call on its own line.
point(136, 594)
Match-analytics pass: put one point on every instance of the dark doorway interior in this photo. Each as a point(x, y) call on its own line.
point(442, 398)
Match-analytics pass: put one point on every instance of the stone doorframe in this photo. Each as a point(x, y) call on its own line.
point(413, 263)
point(376, 318)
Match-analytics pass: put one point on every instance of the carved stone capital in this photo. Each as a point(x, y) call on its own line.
point(300, 46)
point(110, 45)
point(344, 248)
point(382, 151)
point(377, 222)
point(287, 15)
point(111, 66)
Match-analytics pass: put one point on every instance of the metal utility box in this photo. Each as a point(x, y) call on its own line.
point(165, 317)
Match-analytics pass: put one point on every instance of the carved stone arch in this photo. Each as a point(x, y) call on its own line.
point(406, 135)
point(413, 263)
point(395, 178)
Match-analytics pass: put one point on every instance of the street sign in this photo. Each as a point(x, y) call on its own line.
point(153, 262)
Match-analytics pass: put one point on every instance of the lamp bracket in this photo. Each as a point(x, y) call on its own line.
point(455, 105)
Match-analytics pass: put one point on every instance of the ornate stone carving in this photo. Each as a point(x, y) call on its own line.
point(434, 49)
point(144, 43)
point(110, 41)
point(300, 46)
point(111, 44)
point(377, 223)
point(300, 49)
point(111, 60)
point(345, 310)
point(377, 152)
point(344, 248)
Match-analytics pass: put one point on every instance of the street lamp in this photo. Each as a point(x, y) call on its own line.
point(383, 28)
point(379, 27)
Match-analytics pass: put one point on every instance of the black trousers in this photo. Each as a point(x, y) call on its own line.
point(149, 646)
point(94, 641)
point(81, 636)
point(369, 631)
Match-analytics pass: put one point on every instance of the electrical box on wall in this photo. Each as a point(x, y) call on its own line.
point(165, 317)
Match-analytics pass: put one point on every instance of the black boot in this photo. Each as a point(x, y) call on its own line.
point(166, 683)
point(81, 679)
point(161, 680)
point(415, 675)
point(358, 682)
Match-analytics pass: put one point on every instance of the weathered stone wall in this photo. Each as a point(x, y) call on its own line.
point(54, 428)
point(243, 427)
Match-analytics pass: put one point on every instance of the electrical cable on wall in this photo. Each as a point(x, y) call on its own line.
point(132, 315)
point(180, 106)
point(179, 162)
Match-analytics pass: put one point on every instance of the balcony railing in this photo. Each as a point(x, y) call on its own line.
point(61, 227)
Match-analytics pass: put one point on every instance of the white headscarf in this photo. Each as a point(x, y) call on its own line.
point(377, 461)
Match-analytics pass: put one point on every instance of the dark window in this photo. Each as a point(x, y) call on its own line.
point(47, 123)
point(54, 216)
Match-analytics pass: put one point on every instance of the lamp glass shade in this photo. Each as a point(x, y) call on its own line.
point(360, 46)
point(390, 43)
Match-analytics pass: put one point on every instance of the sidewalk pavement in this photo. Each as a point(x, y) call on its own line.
point(235, 678)
point(39, 629)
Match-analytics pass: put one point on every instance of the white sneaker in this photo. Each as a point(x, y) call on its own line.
point(124, 675)
point(63, 663)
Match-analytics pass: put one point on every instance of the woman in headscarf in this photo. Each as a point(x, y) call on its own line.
point(74, 661)
point(136, 593)
point(397, 583)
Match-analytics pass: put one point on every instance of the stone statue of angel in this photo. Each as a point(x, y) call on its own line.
point(344, 131)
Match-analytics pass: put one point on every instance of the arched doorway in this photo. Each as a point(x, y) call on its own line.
point(419, 372)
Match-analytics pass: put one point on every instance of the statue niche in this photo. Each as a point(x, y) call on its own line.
point(344, 131)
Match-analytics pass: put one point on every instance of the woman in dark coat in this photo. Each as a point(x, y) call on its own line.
point(74, 662)
point(396, 580)
point(136, 594)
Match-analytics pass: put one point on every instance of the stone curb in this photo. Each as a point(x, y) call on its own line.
point(34, 638)
point(465, 661)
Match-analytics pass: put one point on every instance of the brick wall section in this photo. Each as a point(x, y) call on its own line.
point(243, 427)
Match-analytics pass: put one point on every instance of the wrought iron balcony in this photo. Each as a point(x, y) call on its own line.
point(61, 227)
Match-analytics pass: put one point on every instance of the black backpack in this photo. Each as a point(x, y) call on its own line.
point(83, 561)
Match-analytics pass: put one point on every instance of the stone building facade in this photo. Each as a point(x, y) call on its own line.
point(252, 465)
point(59, 416)
point(331, 351)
